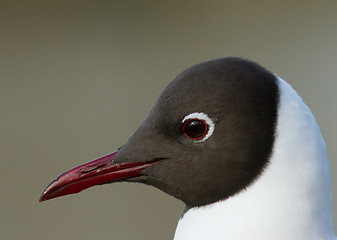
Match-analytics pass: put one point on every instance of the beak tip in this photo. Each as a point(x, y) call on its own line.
point(43, 197)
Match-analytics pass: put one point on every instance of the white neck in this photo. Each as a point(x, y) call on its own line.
point(290, 200)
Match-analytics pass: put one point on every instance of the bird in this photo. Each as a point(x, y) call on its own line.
point(237, 145)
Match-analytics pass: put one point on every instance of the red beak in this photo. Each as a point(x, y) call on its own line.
point(99, 171)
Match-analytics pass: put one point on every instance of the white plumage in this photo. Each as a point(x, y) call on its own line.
point(291, 199)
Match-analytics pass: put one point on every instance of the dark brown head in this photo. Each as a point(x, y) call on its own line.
point(208, 136)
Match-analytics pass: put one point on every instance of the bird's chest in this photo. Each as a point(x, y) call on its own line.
point(234, 222)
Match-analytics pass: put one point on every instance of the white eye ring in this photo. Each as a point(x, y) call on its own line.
point(206, 119)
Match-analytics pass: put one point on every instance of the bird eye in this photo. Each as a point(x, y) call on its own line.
point(195, 129)
point(197, 126)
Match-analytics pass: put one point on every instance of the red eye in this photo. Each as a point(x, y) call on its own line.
point(195, 129)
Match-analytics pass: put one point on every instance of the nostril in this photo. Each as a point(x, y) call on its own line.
point(90, 169)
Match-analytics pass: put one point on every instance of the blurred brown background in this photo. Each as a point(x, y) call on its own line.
point(78, 77)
